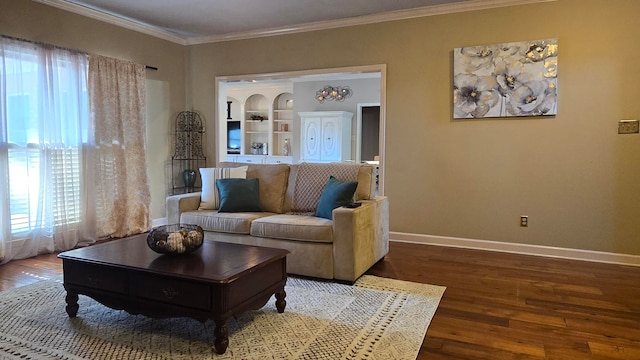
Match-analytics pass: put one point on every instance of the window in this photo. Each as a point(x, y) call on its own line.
point(44, 109)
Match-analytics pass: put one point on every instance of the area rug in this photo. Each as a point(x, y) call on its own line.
point(376, 318)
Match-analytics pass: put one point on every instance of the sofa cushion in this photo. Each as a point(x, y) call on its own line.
point(273, 183)
point(336, 193)
point(311, 179)
point(366, 183)
point(210, 199)
point(212, 220)
point(293, 227)
point(238, 195)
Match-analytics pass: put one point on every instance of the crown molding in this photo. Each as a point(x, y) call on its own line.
point(471, 5)
point(114, 20)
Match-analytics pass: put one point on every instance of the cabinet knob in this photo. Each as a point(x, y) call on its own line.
point(169, 292)
point(311, 138)
point(328, 138)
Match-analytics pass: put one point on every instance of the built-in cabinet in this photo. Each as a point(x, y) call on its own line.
point(325, 136)
point(260, 159)
point(265, 115)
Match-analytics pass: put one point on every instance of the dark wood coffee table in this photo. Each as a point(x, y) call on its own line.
point(215, 282)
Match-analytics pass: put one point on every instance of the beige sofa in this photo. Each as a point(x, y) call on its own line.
point(341, 248)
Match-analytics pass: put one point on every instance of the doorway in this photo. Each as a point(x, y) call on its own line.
point(370, 145)
point(305, 76)
point(368, 132)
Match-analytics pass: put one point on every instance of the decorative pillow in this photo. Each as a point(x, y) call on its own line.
point(273, 185)
point(311, 179)
point(335, 194)
point(210, 199)
point(238, 195)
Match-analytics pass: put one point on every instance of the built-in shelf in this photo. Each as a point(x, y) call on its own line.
point(274, 105)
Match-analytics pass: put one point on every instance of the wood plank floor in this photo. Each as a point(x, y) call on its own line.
point(508, 306)
point(496, 306)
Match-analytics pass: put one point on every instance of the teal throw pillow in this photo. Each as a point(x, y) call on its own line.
point(335, 194)
point(239, 195)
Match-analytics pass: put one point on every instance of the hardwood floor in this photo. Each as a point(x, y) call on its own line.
point(28, 271)
point(508, 306)
point(496, 306)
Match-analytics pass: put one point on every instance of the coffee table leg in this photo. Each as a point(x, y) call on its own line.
point(280, 301)
point(72, 303)
point(222, 336)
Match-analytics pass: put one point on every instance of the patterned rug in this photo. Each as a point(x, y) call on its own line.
point(377, 318)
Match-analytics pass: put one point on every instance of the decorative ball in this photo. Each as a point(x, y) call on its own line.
point(175, 239)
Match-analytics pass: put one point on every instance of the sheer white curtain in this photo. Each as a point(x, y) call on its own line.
point(45, 134)
point(117, 100)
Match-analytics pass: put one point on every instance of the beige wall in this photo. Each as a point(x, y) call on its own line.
point(572, 174)
point(165, 88)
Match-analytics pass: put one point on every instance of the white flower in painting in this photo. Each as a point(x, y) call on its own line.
point(533, 98)
point(477, 57)
point(511, 76)
point(506, 51)
point(474, 95)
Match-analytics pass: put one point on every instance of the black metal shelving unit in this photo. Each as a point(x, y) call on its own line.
point(188, 157)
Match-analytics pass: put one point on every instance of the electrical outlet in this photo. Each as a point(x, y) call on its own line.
point(628, 127)
point(524, 220)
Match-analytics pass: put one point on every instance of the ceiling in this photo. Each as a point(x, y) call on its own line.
point(202, 21)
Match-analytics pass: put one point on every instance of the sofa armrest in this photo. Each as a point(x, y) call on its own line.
point(360, 237)
point(177, 204)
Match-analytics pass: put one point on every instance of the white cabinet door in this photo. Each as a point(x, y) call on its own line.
point(326, 136)
point(311, 138)
point(331, 140)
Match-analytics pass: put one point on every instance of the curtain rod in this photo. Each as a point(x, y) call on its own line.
point(60, 48)
point(44, 44)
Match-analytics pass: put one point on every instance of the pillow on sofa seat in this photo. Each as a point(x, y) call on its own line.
point(336, 193)
point(209, 198)
point(239, 195)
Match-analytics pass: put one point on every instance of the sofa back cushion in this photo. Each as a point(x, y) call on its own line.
point(273, 179)
point(311, 179)
point(366, 189)
point(366, 183)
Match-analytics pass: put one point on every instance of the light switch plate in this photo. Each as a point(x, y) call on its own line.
point(628, 127)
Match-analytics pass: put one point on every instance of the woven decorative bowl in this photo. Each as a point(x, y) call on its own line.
point(175, 239)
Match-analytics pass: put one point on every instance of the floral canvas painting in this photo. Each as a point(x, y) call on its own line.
point(503, 80)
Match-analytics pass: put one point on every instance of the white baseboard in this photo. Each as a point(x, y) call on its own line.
point(525, 249)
